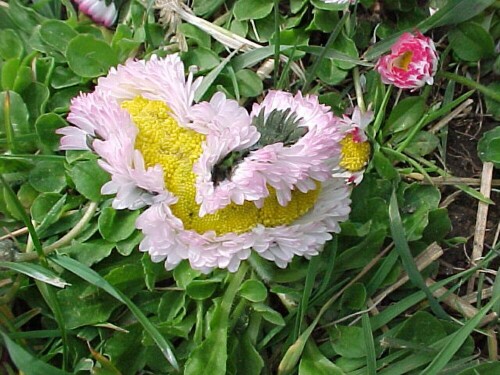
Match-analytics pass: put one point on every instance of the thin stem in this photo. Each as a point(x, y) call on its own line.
point(276, 40)
point(91, 209)
point(333, 36)
point(493, 94)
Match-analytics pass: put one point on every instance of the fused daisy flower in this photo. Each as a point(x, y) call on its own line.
point(411, 64)
point(101, 11)
point(218, 182)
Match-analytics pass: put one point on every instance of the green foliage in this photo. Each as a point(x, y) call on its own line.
point(102, 306)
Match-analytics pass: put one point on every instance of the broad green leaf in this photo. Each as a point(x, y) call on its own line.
point(245, 359)
point(253, 290)
point(272, 316)
point(43, 204)
point(90, 57)
point(48, 176)
point(348, 341)
point(206, 7)
point(423, 144)
point(249, 83)
point(36, 95)
point(88, 178)
point(313, 362)
point(184, 274)
point(354, 297)
point(493, 106)
point(57, 34)
point(201, 289)
point(489, 146)
point(46, 126)
point(90, 252)
point(203, 58)
point(18, 113)
point(421, 328)
point(94, 278)
point(406, 114)
point(471, 42)
point(117, 225)
point(11, 46)
point(252, 9)
point(36, 271)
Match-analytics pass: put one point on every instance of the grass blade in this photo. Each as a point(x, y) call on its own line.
point(26, 362)
point(36, 272)
point(456, 341)
point(94, 278)
point(210, 77)
point(403, 249)
point(371, 356)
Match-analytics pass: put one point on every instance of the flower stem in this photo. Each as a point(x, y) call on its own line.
point(234, 285)
point(493, 94)
point(91, 209)
point(359, 90)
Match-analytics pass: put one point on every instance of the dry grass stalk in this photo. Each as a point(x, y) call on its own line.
point(18, 232)
point(481, 218)
point(449, 180)
point(459, 304)
point(464, 107)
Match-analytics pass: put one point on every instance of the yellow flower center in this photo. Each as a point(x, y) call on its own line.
point(403, 61)
point(355, 155)
point(162, 141)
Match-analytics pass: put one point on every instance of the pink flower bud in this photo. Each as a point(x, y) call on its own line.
point(100, 12)
point(411, 64)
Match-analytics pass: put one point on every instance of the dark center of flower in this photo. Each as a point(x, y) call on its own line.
point(279, 126)
point(403, 61)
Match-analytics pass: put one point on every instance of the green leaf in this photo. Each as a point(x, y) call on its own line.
point(406, 114)
point(116, 225)
point(457, 339)
point(43, 204)
point(423, 144)
point(57, 34)
point(48, 177)
point(18, 113)
point(206, 7)
point(247, 360)
point(492, 105)
point(321, 4)
point(421, 328)
point(94, 278)
point(249, 83)
point(36, 95)
point(88, 178)
point(490, 368)
point(252, 9)
point(26, 362)
point(313, 362)
point(489, 146)
point(471, 42)
point(272, 316)
point(90, 57)
point(203, 58)
point(253, 290)
point(354, 297)
point(348, 342)
point(90, 252)
point(184, 274)
point(37, 272)
point(46, 126)
point(329, 72)
point(11, 46)
point(201, 289)
point(403, 249)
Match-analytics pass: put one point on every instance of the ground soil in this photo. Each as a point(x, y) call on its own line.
point(462, 161)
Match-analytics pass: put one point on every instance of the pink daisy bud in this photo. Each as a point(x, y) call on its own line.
point(339, 1)
point(100, 11)
point(411, 64)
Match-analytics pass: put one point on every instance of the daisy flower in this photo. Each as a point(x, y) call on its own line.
point(218, 182)
point(411, 64)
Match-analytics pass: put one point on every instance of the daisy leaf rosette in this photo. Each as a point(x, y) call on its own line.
point(218, 182)
point(412, 62)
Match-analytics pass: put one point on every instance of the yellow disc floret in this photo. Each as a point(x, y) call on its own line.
point(162, 141)
point(355, 155)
